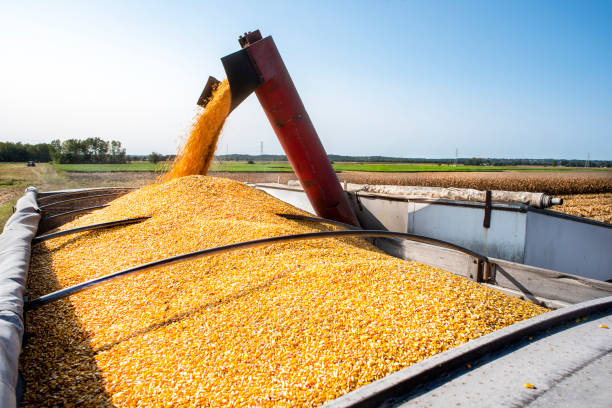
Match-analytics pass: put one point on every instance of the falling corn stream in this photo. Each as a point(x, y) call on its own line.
point(197, 154)
point(286, 325)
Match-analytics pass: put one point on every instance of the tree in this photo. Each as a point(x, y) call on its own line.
point(117, 153)
point(155, 157)
point(16, 152)
point(55, 150)
point(90, 150)
point(97, 150)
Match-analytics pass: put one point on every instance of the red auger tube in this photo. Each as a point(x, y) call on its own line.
point(296, 133)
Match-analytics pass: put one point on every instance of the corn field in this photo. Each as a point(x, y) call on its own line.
point(550, 183)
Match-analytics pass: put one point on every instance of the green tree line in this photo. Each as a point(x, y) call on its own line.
point(19, 152)
point(473, 161)
point(90, 150)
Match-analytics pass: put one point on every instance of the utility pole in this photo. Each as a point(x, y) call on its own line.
point(586, 164)
point(456, 154)
point(261, 148)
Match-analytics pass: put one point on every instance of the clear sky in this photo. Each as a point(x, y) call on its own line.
point(394, 78)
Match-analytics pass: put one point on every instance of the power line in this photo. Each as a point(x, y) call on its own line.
point(587, 163)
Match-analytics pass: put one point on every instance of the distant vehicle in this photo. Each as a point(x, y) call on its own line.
point(31, 164)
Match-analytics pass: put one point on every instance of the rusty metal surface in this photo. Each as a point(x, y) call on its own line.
point(242, 76)
point(207, 93)
point(259, 67)
point(297, 135)
point(60, 207)
point(53, 221)
point(46, 196)
point(249, 38)
point(486, 223)
point(46, 207)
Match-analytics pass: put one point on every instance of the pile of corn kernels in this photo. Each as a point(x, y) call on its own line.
point(292, 324)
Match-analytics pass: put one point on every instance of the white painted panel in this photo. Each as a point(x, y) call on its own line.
point(463, 226)
point(532, 238)
point(393, 215)
point(296, 198)
point(569, 246)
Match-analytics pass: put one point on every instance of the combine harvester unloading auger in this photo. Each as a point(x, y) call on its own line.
point(258, 68)
point(466, 233)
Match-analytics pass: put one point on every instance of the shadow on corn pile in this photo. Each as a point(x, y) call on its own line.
point(57, 355)
point(356, 242)
point(180, 316)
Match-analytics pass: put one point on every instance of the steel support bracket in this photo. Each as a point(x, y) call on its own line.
point(488, 205)
point(488, 275)
point(475, 270)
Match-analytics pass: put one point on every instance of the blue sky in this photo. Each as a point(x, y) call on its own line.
point(395, 78)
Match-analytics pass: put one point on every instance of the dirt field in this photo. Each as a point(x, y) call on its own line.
point(118, 179)
point(15, 177)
